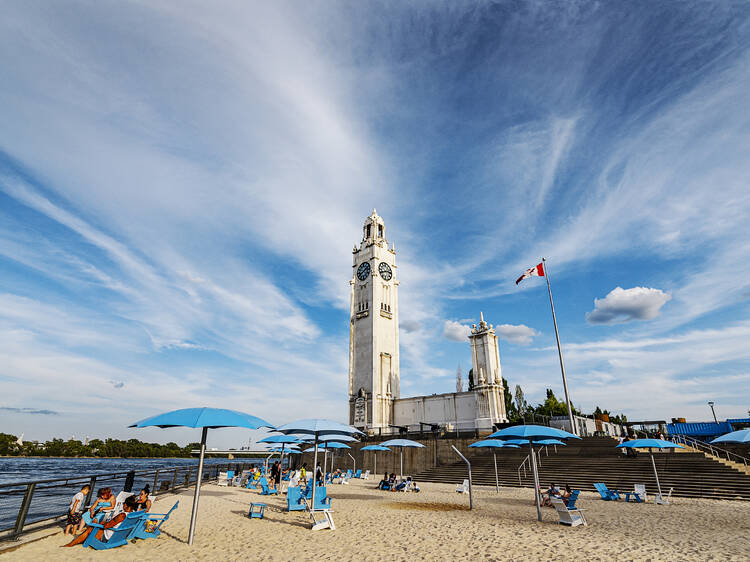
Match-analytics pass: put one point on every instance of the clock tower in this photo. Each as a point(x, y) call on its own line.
point(373, 329)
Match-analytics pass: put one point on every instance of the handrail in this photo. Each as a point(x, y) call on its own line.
point(522, 466)
point(710, 449)
point(471, 497)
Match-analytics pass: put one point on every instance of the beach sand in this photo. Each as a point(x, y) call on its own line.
point(434, 524)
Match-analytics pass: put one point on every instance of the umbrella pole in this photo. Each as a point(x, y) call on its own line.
point(325, 461)
point(376, 463)
point(536, 483)
point(315, 475)
point(656, 475)
point(197, 487)
point(402, 463)
point(497, 484)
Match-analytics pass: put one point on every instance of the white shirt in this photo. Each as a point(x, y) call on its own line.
point(79, 506)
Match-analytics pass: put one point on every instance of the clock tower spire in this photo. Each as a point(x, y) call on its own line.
point(373, 329)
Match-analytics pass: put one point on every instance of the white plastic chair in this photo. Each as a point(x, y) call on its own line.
point(223, 479)
point(571, 517)
point(463, 488)
point(640, 491)
point(366, 475)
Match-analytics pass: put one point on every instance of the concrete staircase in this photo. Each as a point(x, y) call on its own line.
point(595, 459)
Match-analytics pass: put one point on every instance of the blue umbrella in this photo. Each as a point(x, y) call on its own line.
point(284, 440)
point(318, 428)
point(326, 441)
point(401, 443)
point(494, 444)
point(375, 449)
point(740, 436)
point(328, 447)
point(533, 434)
point(651, 444)
point(206, 418)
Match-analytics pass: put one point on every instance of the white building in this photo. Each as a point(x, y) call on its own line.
point(374, 395)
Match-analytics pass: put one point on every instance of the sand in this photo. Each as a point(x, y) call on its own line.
point(434, 524)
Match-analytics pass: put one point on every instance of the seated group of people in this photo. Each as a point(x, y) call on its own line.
point(555, 492)
point(78, 521)
point(390, 482)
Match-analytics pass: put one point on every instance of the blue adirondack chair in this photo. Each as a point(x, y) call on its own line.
point(358, 474)
point(265, 489)
point(349, 473)
point(322, 501)
point(142, 533)
point(294, 499)
point(120, 535)
point(571, 503)
point(606, 493)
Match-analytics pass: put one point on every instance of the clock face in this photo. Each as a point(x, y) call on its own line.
point(385, 271)
point(363, 271)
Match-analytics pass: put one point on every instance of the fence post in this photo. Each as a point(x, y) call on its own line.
point(156, 482)
point(174, 478)
point(24, 511)
point(92, 483)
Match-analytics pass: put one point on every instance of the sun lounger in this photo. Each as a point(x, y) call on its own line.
point(463, 488)
point(662, 500)
point(120, 535)
point(606, 493)
point(571, 517)
point(152, 524)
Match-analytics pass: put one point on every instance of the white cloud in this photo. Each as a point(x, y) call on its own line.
point(625, 305)
point(518, 334)
point(455, 331)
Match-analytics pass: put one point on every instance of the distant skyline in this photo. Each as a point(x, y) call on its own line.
point(181, 185)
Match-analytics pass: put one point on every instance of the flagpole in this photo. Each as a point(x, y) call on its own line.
point(559, 351)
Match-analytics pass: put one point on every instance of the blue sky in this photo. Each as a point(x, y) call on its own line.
point(181, 185)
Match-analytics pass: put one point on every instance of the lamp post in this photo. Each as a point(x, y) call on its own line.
point(710, 403)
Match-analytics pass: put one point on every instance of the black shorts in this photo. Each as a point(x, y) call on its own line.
point(74, 518)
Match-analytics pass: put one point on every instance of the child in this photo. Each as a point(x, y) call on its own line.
point(74, 523)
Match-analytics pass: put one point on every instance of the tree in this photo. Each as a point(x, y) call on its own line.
point(510, 408)
point(520, 399)
point(471, 379)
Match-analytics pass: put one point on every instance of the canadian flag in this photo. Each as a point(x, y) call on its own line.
point(536, 271)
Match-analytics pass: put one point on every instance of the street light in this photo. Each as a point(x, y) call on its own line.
point(710, 403)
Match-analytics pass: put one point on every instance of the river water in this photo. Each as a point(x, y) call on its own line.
point(50, 500)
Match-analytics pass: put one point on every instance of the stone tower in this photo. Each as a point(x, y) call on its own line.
point(488, 381)
point(373, 329)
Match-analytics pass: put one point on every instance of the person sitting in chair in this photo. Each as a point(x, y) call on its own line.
point(552, 492)
point(128, 506)
point(142, 502)
point(566, 494)
point(383, 485)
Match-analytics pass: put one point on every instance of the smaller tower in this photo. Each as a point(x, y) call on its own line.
point(488, 377)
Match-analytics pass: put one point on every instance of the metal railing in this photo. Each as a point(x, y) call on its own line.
point(44, 502)
point(527, 459)
point(712, 450)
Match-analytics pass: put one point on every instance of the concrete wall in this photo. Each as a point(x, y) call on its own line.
point(452, 408)
point(435, 453)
